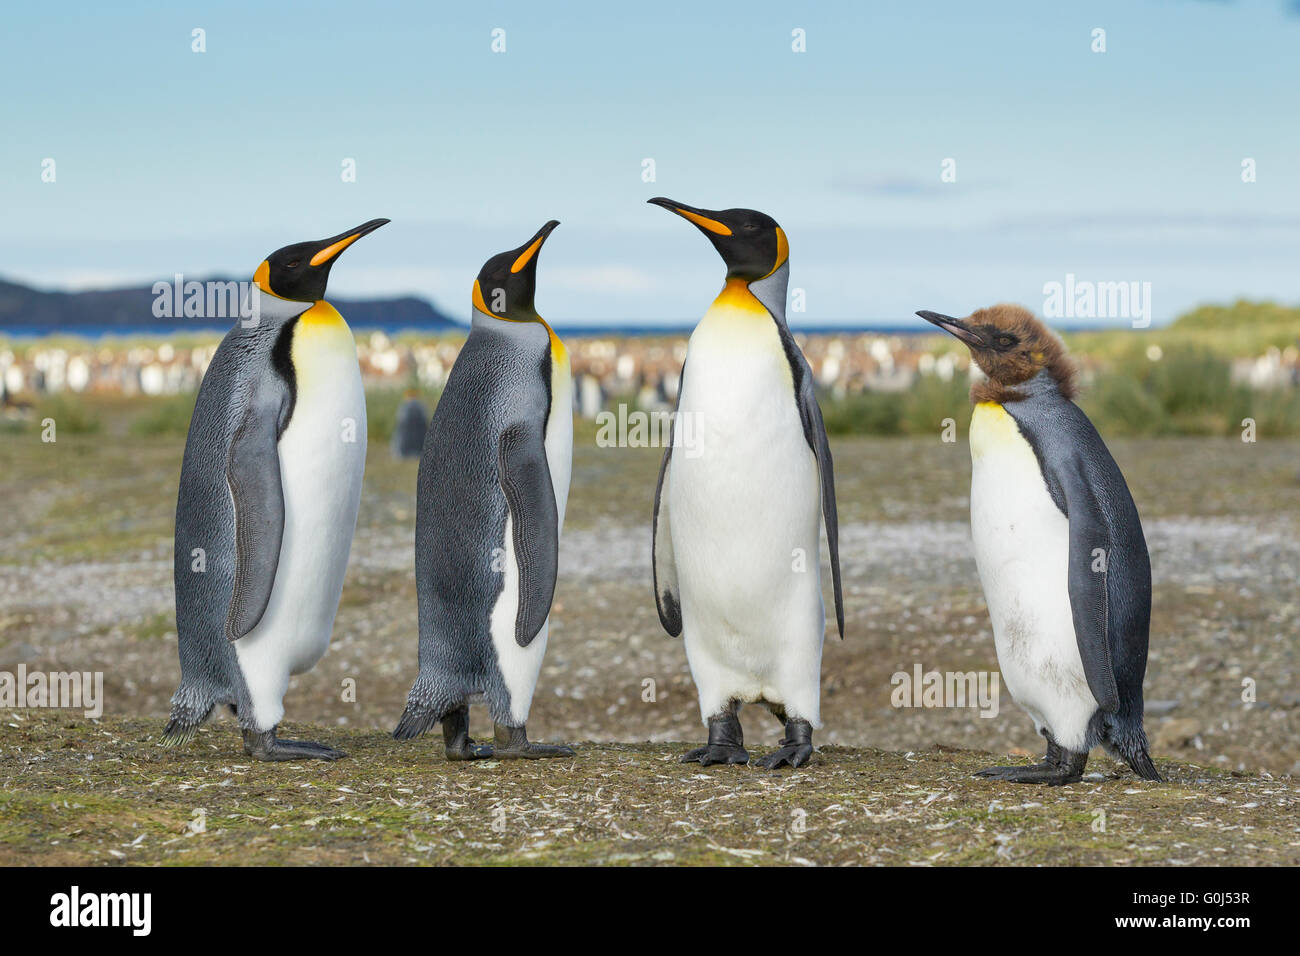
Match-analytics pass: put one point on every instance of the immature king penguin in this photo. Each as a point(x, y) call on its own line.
point(737, 517)
point(268, 501)
point(493, 483)
point(1059, 548)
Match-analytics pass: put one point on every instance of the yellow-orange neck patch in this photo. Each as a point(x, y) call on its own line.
point(479, 303)
point(992, 428)
point(782, 250)
point(321, 313)
point(736, 295)
point(557, 347)
point(558, 352)
point(262, 278)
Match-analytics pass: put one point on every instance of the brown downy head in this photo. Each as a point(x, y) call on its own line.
point(1011, 346)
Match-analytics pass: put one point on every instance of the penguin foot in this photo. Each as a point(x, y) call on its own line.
point(726, 742)
point(1046, 773)
point(715, 753)
point(1058, 768)
point(796, 747)
point(468, 750)
point(457, 741)
point(512, 743)
point(264, 745)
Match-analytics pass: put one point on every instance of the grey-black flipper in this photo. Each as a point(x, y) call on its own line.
point(663, 562)
point(526, 480)
point(1091, 545)
point(814, 431)
point(1109, 568)
point(253, 474)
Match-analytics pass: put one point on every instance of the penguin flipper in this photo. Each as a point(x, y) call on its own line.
point(526, 480)
point(253, 475)
point(1090, 603)
point(814, 430)
point(664, 563)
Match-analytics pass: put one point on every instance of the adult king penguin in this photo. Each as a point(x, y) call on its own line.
point(493, 483)
point(738, 510)
point(268, 501)
point(1059, 548)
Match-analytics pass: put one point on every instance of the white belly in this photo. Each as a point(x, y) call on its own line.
point(744, 514)
point(520, 666)
point(322, 457)
point(1022, 551)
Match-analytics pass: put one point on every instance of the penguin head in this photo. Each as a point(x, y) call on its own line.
point(505, 285)
point(751, 243)
point(301, 271)
point(1010, 345)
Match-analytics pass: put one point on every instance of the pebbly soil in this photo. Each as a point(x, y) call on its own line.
point(73, 791)
point(85, 584)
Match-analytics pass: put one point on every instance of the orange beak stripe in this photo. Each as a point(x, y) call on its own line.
point(329, 252)
point(704, 222)
point(526, 256)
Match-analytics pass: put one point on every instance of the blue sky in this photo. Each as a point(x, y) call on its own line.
point(1123, 165)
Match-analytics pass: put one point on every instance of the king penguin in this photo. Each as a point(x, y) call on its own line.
point(1059, 548)
point(493, 484)
point(736, 539)
point(412, 423)
point(269, 490)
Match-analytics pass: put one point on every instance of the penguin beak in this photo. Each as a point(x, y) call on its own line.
point(956, 327)
point(529, 253)
point(330, 248)
point(706, 219)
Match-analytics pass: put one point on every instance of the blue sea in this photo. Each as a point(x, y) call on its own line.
point(574, 330)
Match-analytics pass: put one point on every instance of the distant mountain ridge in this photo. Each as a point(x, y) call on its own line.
point(26, 310)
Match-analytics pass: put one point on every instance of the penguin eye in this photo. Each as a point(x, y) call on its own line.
point(294, 264)
point(1006, 341)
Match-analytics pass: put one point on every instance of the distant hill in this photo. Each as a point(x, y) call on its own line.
point(28, 311)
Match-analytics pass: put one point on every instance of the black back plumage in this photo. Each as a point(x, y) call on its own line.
point(1111, 607)
point(205, 518)
point(501, 376)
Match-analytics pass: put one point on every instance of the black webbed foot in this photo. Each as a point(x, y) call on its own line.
point(1058, 768)
point(265, 745)
point(726, 743)
point(796, 747)
point(512, 743)
point(459, 745)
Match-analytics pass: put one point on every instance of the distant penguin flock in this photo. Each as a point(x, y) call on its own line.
point(271, 483)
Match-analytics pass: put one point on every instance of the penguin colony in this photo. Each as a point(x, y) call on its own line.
point(272, 475)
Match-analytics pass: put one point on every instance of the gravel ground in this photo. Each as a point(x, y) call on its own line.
point(85, 584)
point(73, 791)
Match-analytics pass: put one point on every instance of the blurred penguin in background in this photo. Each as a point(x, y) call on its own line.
point(412, 423)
